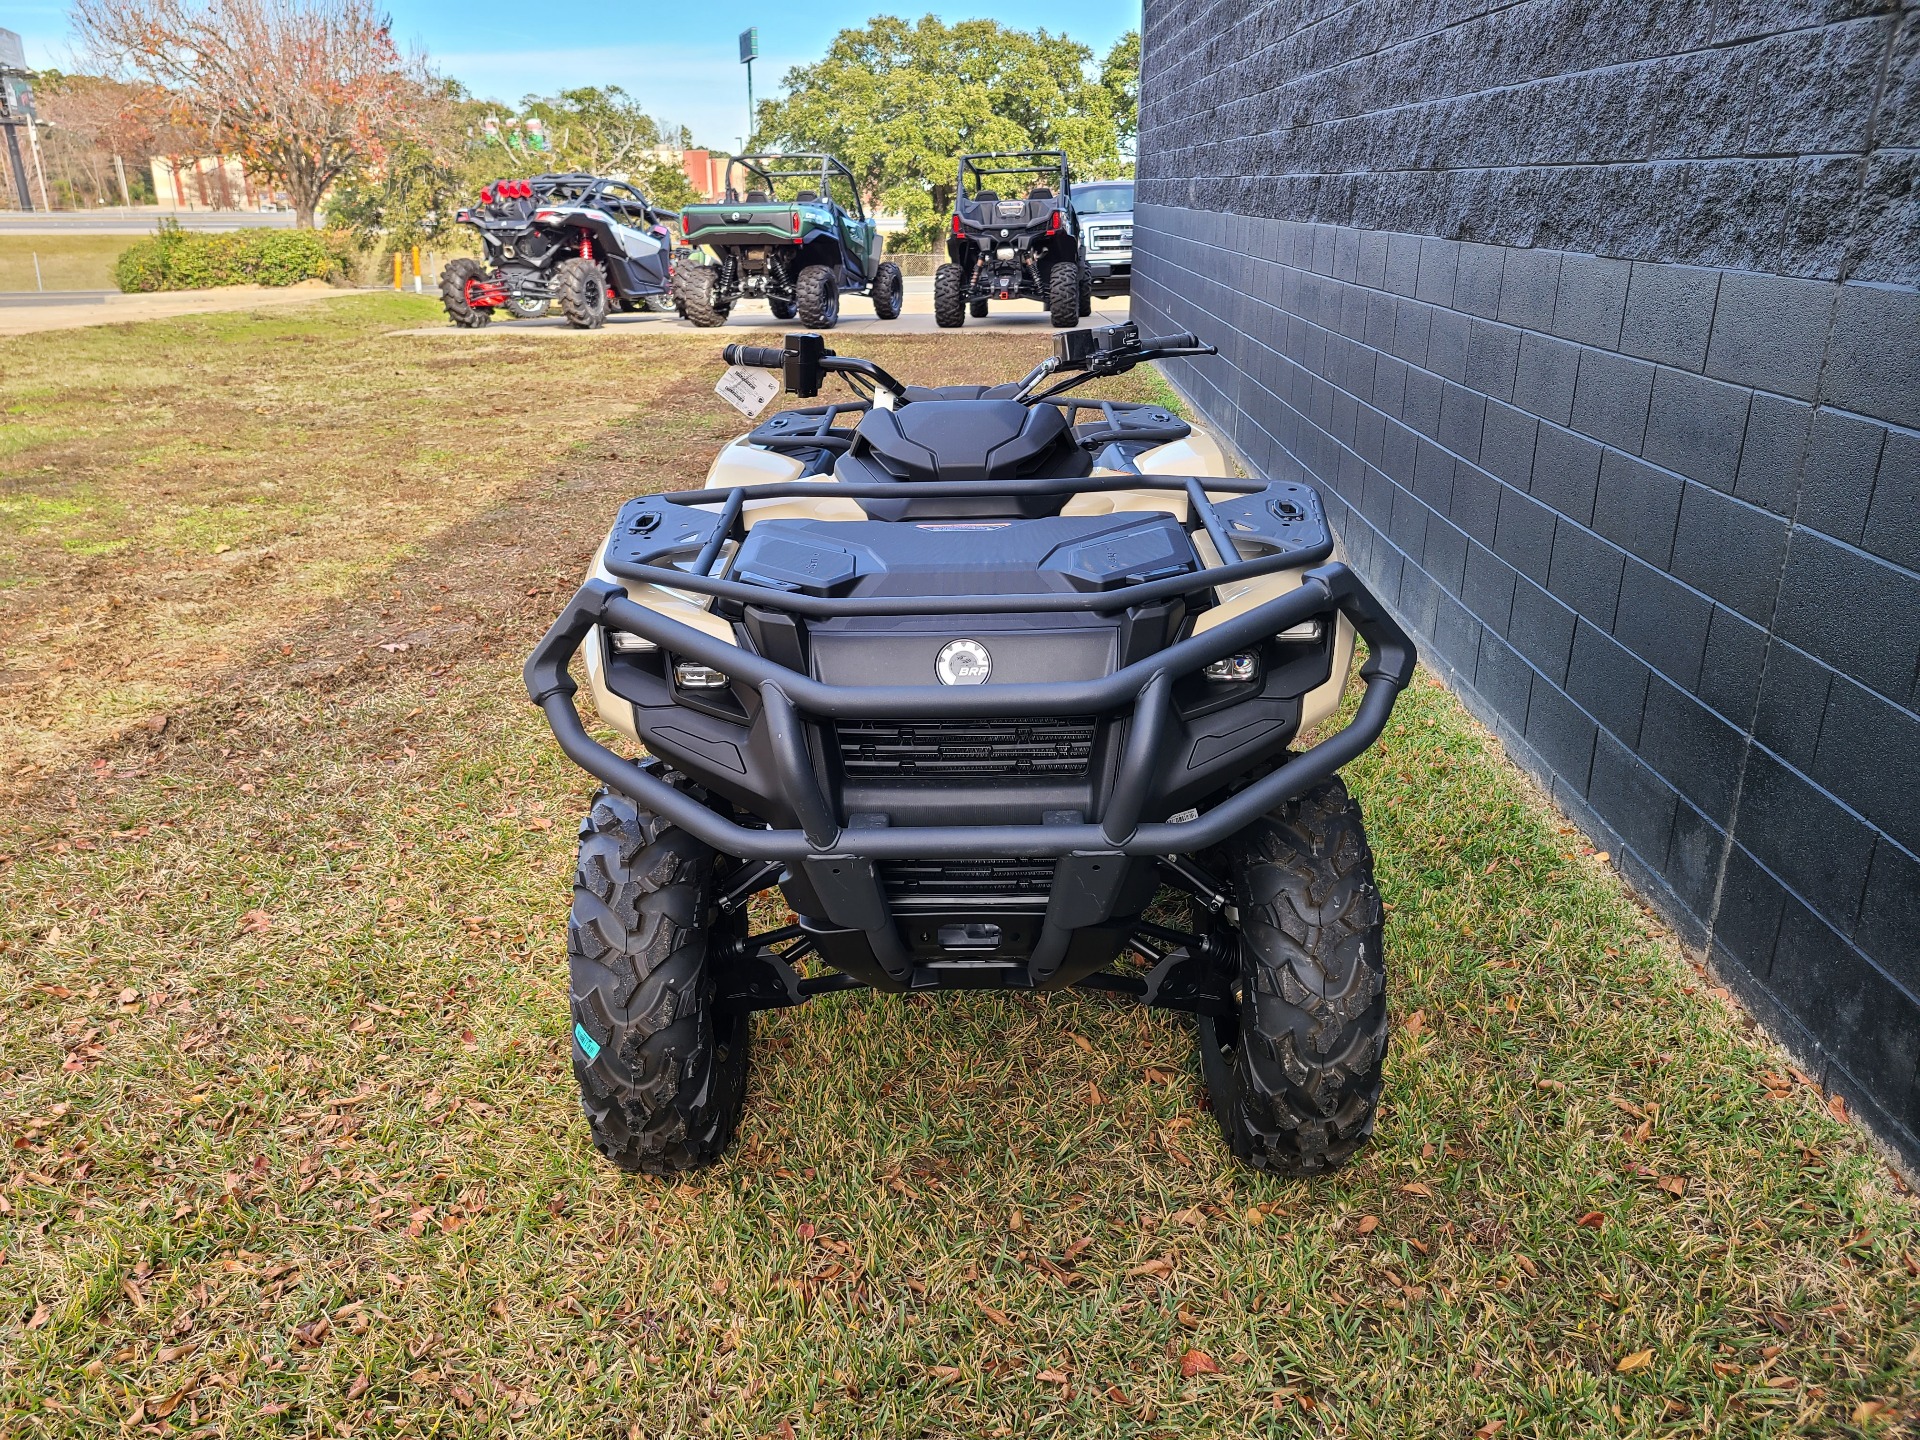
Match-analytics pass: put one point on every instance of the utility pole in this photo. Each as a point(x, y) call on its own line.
point(16, 110)
point(749, 52)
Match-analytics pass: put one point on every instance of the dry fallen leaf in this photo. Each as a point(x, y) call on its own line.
point(1187, 1318)
point(1867, 1409)
point(1053, 1377)
point(256, 922)
point(1593, 1220)
point(1415, 1023)
point(1416, 1188)
point(1197, 1362)
point(1490, 1429)
point(1638, 1360)
point(948, 1373)
point(1368, 1224)
point(1082, 1041)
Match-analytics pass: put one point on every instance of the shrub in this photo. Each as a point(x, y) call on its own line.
point(176, 259)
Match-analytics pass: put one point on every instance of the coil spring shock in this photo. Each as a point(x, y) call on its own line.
point(586, 246)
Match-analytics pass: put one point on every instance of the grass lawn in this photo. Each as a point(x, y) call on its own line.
point(294, 1146)
point(67, 262)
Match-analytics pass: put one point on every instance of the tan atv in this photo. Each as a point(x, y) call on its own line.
point(973, 675)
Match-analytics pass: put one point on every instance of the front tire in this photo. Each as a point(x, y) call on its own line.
point(1063, 295)
point(816, 297)
point(949, 297)
point(582, 290)
point(782, 309)
point(460, 273)
point(1086, 289)
point(1294, 1078)
point(693, 289)
point(888, 290)
point(661, 1075)
point(528, 307)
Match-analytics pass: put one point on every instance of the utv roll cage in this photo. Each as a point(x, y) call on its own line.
point(770, 170)
point(1050, 163)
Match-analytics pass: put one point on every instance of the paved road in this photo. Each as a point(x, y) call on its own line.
point(112, 220)
point(856, 317)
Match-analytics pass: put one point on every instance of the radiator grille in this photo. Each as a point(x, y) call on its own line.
point(1043, 748)
point(913, 879)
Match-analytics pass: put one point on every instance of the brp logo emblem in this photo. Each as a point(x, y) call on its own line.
point(963, 662)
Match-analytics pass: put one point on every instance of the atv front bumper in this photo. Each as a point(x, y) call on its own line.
point(836, 866)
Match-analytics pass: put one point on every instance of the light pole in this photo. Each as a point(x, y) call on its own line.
point(749, 52)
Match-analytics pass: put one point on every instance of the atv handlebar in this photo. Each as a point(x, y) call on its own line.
point(754, 357)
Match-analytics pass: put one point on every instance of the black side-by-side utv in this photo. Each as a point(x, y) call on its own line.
point(1021, 245)
point(975, 675)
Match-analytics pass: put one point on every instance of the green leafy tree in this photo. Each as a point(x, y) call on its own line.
point(1120, 76)
point(899, 101)
point(412, 195)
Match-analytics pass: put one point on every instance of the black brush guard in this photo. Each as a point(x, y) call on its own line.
point(840, 862)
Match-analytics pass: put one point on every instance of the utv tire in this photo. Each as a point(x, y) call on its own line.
point(528, 307)
point(816, 297)
point(977, 309)
point(888, 290)
point(661, 1076)
point(693, 287)
point(949, 297)
point(1295, 1078)
point(661, 304)
point(782, 309)
point(1063, 295)
point(1086, 289)
point(461, 272)
point(582, 290)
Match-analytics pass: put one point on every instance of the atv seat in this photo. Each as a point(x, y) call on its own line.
point(987, 438)
point(987, 195)
point(758, 197)
point(805, 195)
point(1040, 192)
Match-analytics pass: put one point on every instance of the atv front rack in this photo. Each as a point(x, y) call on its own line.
point(793, 701)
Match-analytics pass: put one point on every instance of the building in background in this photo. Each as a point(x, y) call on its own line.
point(1598, 329)
point(205, 182)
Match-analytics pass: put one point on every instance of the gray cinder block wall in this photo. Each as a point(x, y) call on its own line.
point(1597, 326)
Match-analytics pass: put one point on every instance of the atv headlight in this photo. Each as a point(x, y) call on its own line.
point(1234, 667)
point(1307, 631)
point(691, 676)
point(628, 644)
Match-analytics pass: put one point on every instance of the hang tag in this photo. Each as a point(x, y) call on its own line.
point(748, 391)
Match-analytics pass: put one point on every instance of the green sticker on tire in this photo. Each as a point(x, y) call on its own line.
point(589, 1047)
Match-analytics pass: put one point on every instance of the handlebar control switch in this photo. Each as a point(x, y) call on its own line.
point(1084, 349)
point(801, 363)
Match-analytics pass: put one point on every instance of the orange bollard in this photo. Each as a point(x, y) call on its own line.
point(396, 269)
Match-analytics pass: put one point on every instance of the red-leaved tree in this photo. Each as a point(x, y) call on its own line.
point(298, 89)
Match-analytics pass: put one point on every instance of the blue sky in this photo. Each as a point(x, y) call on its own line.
point(684, 67)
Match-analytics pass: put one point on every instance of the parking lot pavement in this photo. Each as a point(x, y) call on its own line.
point(856, 317)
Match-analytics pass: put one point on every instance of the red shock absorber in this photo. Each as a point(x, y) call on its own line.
point(586, 246)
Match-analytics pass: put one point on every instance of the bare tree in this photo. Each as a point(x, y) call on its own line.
point(298, 89)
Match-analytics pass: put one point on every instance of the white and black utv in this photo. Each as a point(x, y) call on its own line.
point(1020, 245)
point(975, 675)
point(583, 242)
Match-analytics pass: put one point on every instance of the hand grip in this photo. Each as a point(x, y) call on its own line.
point(1169, 342)
point(759, 357)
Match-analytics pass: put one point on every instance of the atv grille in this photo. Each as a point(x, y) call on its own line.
point(998, 879)
point(1056, 748)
